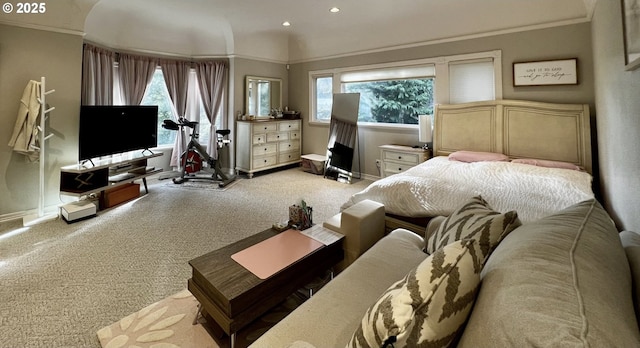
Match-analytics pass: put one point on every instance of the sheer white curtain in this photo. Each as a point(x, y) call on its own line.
point(212, 81)
point(97, 75)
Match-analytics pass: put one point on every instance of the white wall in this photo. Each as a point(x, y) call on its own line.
point(618, 117)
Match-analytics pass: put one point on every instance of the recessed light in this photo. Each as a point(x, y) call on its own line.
point(286, 23)
point(334, 10)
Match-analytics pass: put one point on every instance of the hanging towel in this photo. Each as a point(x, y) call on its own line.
point(25, 138)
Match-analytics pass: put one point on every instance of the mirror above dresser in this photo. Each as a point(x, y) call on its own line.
point(262, 94)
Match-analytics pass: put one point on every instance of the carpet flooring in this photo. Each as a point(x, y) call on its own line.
point(61, 282)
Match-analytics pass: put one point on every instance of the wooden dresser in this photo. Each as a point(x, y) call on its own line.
point(267, 144)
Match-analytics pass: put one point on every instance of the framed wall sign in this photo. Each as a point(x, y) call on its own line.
point(546, 72)
point(631, 26)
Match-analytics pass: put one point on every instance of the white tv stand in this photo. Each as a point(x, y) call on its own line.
point(85, 179)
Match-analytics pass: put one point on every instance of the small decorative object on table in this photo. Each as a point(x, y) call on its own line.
point(281, 226)
point(301, 216)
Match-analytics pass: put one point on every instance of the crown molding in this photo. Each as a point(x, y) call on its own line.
point(446, 40)
point(42, 27)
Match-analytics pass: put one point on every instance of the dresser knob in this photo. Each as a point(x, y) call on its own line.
point(399, 157)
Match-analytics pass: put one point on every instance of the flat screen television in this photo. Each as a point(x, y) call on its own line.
point(110, 129)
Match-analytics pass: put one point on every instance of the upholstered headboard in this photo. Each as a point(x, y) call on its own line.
point(516, 128)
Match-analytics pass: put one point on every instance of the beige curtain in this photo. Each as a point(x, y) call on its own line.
point(97, 75)
point(135, 74)
point(212, 81)
point(176, 77)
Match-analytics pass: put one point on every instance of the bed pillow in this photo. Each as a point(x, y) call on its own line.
point(429, 306)
point(547, 163)
point(477, 156)
point(474, 220)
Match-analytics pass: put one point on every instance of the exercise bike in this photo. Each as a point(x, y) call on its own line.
point(195, 154)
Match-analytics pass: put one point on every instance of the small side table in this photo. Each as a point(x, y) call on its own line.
point(398, 158)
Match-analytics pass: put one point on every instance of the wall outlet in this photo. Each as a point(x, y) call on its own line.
point(378, 163)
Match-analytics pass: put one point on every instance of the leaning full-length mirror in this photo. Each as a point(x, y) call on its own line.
point(262, 95)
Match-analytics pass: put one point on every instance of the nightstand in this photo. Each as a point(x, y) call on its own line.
point(398, 158)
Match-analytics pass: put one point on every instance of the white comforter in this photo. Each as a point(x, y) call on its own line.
point(439, 186)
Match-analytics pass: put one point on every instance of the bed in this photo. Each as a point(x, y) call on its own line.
point(519, 130)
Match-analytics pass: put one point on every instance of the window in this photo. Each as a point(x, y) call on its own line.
point(392, 95)
point(471, 81)
point(157, 94)
point(323, 97)
point(397, 93)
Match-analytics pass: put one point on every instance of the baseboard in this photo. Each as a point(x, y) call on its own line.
point(54, 209)
point(13, 216)
point(370, 177)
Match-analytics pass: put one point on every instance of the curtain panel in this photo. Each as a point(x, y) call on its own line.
point(212, 81)
point(97, 75)
point(135, 73)
point(176, 77)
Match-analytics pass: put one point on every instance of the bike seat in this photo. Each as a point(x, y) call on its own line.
point(223, 132)
point(170, 124)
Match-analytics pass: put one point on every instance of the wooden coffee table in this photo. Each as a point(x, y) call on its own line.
point(234, 297)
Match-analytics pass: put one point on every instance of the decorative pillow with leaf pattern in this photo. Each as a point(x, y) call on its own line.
point(474, 220)
point(426, 308)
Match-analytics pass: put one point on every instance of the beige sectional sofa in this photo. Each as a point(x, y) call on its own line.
point(562, 281)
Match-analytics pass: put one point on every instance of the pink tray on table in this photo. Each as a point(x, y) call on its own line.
point(276, 253)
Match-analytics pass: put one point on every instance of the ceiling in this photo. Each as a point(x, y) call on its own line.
point(253, 28)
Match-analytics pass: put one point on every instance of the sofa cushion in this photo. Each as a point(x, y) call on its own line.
point(474, 220)
point(561, 281)
point(329, 318)
point(631, 244)
point(429, 306)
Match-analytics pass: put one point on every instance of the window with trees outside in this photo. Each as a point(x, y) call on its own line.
point(157, 94)
point(395, 94)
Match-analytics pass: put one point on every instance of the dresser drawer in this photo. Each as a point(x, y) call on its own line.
point(394, 167)
point(401, 157)
point(289, 126)
point(291, 145)
point(288, 157)
point(263, 128)
point(280, 136)
point(259, 139)
point(264, 161)
point(265, 149)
